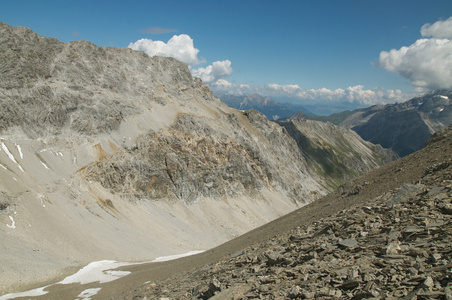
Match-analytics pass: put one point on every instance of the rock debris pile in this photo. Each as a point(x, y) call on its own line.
point(396, 245)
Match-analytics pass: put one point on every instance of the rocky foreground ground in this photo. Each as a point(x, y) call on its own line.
point(392, 238)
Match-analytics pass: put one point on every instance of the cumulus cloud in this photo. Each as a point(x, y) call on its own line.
point(179, 46)
point(158, 30)
point(353, 94)
point(214, 72)
point(224, 86)
point(439, 29)
point(426, 63)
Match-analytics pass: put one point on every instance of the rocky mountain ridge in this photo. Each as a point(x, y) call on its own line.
point(108, 153)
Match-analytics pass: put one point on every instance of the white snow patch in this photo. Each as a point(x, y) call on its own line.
point(171, 257)
point(3, 167)
point(441, 109)
point(31, 293)
point(45, 165)
point(88, 293)
point(444, 97)
point(97, 272)
point(13, 225)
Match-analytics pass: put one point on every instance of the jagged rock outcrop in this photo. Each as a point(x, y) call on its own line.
point(190, 160)
point(108, 153)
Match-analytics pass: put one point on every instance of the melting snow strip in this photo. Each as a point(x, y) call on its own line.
point(97, 272)
point(20, 151)
point(171, 257)
point(31, 293)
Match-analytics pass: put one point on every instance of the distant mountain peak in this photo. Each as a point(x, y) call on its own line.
point(272, 109)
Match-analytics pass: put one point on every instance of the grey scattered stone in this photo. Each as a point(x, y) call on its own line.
point(348, 243)
point(406, 192)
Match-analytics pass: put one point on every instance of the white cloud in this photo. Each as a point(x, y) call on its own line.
point(179, 46)
point(225, 86)
point(427, 62)
point(214, 72)
point(354, 94)
point(439, 29)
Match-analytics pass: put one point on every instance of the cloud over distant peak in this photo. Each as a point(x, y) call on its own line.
point(214, 72)
point(427, 62)
point(158, 30)
point(353, 94)
point(179, 46)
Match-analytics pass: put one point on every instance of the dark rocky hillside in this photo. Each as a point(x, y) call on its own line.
point(405, 127)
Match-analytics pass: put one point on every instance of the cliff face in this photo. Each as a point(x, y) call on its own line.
point(111, 154)
point(190, 159)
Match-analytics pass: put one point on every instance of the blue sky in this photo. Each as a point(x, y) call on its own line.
point(323, 50)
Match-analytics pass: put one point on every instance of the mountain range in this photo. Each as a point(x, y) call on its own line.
point(110, 154)
point(272, 109)
point(401, 127)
